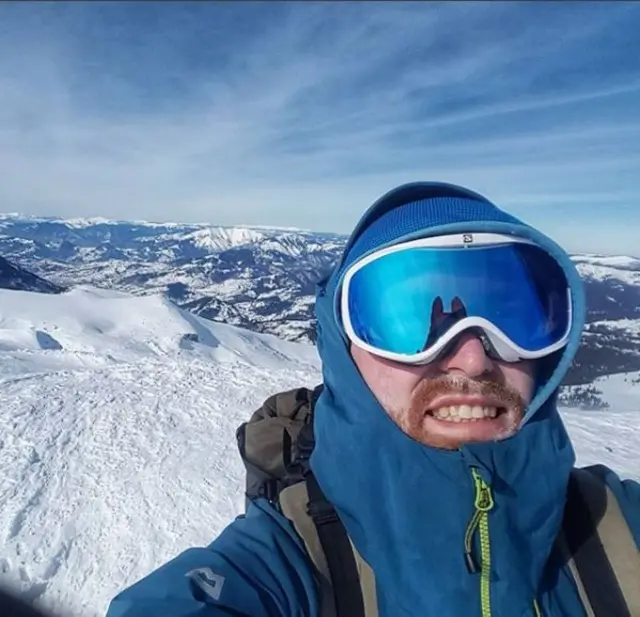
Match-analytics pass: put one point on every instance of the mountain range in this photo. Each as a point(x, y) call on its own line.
point(263, 279)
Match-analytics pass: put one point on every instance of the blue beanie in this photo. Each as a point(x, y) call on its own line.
point(411, 210)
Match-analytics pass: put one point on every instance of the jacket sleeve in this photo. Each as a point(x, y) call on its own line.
point(257, 567)
point(627, 493)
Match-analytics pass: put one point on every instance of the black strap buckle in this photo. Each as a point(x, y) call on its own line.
point(322, 512)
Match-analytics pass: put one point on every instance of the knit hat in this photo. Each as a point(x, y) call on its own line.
point(406, 211)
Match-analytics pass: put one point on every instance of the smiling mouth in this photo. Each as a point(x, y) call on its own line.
point(466, 413)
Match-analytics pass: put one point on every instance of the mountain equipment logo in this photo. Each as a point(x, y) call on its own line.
point(208, 581)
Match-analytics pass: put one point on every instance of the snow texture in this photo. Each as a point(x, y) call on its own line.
point(117, 436)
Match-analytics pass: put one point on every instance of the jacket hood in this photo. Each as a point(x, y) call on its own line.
point(406, 506)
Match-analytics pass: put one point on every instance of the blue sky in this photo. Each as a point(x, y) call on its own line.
point(301, 114)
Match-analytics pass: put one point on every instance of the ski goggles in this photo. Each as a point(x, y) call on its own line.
point(409, 302)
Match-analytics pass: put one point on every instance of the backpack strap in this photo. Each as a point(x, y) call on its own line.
point(367, 584)
point(345, 577)
point(603, 556)
point(331, 533)
point(275, 446)
point(293, 504)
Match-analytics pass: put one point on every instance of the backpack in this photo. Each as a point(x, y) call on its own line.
point(275, 446)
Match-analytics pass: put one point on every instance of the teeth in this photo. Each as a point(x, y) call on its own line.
point(465, 413)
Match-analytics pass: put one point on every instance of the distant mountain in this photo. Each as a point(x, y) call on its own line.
point(13, 277)
point(259, 278)
point(263, 279)
point(611, 343)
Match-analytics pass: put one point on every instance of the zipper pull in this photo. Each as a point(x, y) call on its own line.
point(484, 497)
point(483, 502)
point(470, 560)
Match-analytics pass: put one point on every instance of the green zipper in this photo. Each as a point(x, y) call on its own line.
point(480, 522)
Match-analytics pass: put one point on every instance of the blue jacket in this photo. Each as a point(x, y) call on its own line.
point(406, 506)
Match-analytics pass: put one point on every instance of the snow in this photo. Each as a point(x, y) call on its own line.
point(279, 228)
point(278, 247)
point(80, 222)
point(612, 437)
point(615, 261)
point(117, 436)
point(98, 322)
point(284, 240)
point(620, 391)
point(608, 438)
point(601, 267)
point(603, 272)
point(627, 326)
point(83, 222)
point(221, 238)
point(77, 222)
point(118, 442)
point(22, 241)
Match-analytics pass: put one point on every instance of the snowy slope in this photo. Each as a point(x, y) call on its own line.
point(117, 436)
point(611, 437)
point(97, 324)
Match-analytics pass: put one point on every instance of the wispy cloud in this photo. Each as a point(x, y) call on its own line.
point(303, 113)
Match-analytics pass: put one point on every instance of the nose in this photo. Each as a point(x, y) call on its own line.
point(467, 357)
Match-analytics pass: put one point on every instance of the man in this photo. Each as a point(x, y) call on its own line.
point(444, 332)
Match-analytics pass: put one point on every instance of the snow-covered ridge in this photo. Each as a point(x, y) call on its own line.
point(87, 323)
point(627, 326)
point(84, 222)
point(81, 222)
point(623, 268)
point(223, 238)
point(218, 238)
point(617, 261)
point(601, 272)
point(64, 239)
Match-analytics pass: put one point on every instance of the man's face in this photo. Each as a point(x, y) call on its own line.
point(464, 397)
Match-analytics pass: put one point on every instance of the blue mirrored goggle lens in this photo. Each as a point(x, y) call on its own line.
point(402, 302)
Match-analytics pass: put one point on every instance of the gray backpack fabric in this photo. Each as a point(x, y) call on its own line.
point(275, 445)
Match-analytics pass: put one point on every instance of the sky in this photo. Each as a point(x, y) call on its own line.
point(302, 114)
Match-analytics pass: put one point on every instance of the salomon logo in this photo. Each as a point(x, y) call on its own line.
point(467, 238)
point(208, 581)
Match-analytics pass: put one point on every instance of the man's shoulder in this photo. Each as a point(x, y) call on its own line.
point(263, 517)
point(256, 566)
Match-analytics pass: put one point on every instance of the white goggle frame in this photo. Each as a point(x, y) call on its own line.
point(503, 345)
